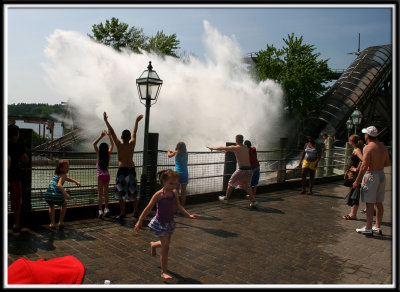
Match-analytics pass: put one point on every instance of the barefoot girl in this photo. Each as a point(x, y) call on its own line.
point(103, 153)
point(163, 223)
point(56, 194)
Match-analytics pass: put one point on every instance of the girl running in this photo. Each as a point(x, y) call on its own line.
point(163, 223)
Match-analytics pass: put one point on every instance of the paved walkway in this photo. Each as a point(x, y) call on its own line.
point(290, 239)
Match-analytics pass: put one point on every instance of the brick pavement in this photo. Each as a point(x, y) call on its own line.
point(290, 239)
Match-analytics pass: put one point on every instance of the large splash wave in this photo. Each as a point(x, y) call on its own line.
point(203, 103)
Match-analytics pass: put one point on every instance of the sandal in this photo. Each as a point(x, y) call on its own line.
point(348, 217)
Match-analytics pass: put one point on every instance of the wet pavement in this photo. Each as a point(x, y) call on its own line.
point(290, 239)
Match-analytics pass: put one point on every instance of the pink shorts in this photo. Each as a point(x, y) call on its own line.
point(105, 177)
point(241, 178)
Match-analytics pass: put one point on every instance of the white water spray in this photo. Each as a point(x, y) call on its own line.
point(200, 103)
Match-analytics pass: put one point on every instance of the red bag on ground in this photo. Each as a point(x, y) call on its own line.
point(63, 270)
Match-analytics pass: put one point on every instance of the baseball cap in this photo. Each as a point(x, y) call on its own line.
point(371, 131)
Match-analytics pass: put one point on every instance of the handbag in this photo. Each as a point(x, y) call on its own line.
point(353, 196)
point(348, 182)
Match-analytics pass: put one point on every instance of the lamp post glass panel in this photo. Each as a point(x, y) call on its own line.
point(356, 116)
point(148, 85)
point(349, 126)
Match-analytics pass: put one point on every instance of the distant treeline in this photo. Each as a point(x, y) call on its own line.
point(37, 110)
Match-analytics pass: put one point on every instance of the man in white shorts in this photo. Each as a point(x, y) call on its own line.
point(242, 176)
point(375, 158)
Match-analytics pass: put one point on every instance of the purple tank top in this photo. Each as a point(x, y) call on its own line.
point(165, 208)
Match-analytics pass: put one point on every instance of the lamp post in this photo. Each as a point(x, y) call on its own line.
point(349, 126)
point(356, 116)
point(148, 85)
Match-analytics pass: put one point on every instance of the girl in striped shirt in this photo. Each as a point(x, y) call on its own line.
point(56, 194)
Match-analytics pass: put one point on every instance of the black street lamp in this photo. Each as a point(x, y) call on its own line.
point(356, 116)
point(349, 126)
point(148, 85)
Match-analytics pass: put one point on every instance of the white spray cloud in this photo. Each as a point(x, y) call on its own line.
point(200, 103)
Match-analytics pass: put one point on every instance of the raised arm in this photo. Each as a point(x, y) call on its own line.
point(171, 153)
point(223, 148)
point(110, 129)
point(110, 149)
point(135, 128)
point(103, 133)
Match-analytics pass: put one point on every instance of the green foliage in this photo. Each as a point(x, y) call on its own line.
point(136, 39)
point(37, 110)
point(298, 70)
point(118, 35)
point(111, 34)
point(163, 44)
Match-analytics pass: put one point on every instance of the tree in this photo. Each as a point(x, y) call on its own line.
point(118, 35)
point(298, 70)
point(39, 110)
point(136, 39)
point(163, 44)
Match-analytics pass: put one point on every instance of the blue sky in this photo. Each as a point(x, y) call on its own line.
point(332, 30)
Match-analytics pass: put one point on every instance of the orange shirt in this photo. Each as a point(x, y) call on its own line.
point(253, 157)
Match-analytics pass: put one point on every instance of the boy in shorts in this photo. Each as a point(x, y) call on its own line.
point(126, 181)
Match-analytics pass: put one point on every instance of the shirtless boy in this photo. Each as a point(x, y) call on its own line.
point(242, 176)
point(126, 182)
point(375, 159)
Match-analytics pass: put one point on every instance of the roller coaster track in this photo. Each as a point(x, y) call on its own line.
point(61, 143)
point(365, 85)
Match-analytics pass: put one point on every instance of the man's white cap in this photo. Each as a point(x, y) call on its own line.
point(371, 131)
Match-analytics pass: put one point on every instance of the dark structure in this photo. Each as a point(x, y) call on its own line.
point(71, 133)
point(366, 85)
point(43, 124)
point(148, 182)
point(229, 166)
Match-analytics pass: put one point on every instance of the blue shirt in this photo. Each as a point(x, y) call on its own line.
point(181, 163)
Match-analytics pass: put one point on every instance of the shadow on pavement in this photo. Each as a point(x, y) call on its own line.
point(178, 279)
point(26, 243)
point(216, 232)
point(210, 218)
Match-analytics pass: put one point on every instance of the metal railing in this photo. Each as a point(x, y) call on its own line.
point(206, 171)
